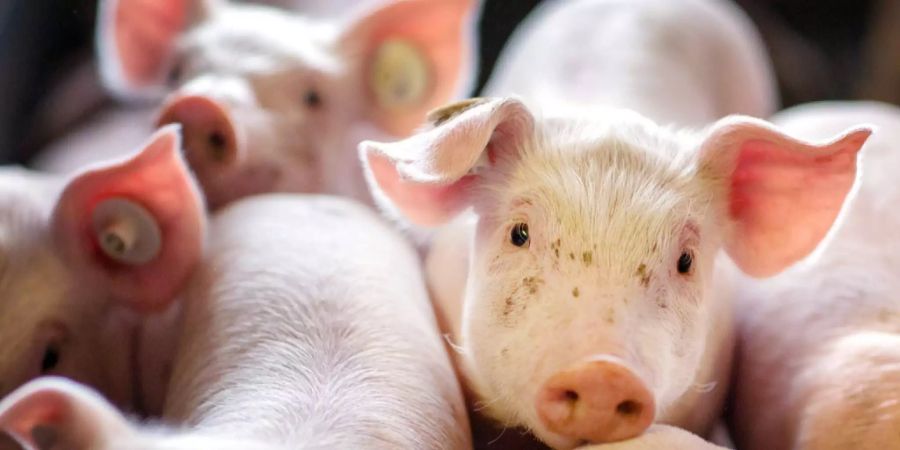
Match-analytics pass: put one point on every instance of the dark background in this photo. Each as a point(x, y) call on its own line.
point(822, 49)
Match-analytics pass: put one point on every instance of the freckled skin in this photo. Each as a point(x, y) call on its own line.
point(644, 275)
point(587, 257)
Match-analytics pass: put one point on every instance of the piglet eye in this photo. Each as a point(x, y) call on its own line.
point(685, 262)
point(54, 336)
point(175, 73)
point(126, 232)
point(518, 235)
point(51, 357)
point(312, 99)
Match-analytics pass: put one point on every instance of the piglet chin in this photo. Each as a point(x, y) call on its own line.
point(556, 441)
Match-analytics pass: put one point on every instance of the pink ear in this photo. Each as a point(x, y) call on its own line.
point(139, 223)
point(428, 176)
point(53, 412)
point(783, 194)
point(439, 39)
point(136, 40)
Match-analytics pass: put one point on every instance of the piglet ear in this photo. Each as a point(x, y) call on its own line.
point(136, 41)
point(139, 223)
point(415, 55)
point(429, 176)
point(782, 195)
point(53, 412)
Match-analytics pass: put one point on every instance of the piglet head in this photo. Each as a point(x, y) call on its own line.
point(80, 272)
point(57, 413)
point(54, 412)
point(271, 101)
point(591, 283)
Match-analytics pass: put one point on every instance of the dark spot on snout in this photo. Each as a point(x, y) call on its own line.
point(511, 307)
point(572, 256)
point(644, 275)
point(532, 284)
point(508, 306)
point(516, 302)
point(587, 258)
point(575, 292)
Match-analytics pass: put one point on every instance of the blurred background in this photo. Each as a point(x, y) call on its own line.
point(822, 49)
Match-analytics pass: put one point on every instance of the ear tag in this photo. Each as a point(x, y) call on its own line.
point(126, 232)
point(442, 114)
point(400, 75)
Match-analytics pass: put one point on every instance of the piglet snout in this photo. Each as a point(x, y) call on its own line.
point(210, 134)
point(597, 401)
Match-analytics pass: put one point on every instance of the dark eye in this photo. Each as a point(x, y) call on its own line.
point(519, 235)
point(685, 262)
point(175, 73)
point(51, 358)
point(312, 99)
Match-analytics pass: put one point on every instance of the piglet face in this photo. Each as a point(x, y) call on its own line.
point(270, 101)
point(590, 289)
point(599, 270)
point(83, 260)
point(42, 301)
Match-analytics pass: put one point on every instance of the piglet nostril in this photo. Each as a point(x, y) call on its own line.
point(218, 149)
point(629, 408)
point(571, 396)
point(209, 133)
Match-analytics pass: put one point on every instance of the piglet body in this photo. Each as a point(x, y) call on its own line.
point(306, 326)
point(309, 323)
point(684, 62)
point(818, 365)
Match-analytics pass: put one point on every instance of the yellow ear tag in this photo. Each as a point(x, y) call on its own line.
point(444, 113)
point(400, 75)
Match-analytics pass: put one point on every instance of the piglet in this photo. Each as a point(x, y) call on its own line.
point(818, 365)
point(596, 299)
point(86, 264)
point(307, 325)
point(684, 62)
point(270, 100)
